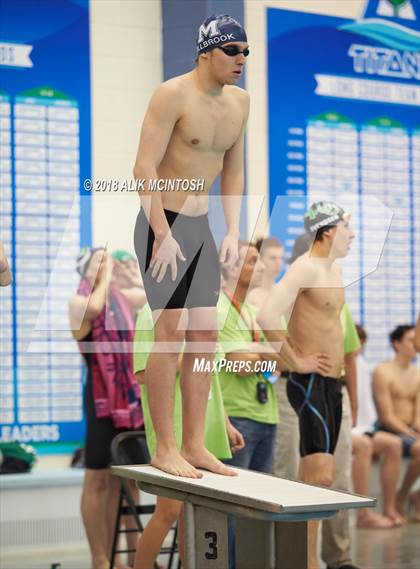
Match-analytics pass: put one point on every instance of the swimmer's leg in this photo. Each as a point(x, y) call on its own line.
point(201, 339)
point(160, 379)
point(317, 468)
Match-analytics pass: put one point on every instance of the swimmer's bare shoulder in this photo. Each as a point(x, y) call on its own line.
point(238, 92)
point(303, 271)
point(170, 94)
point(240, 96)
point(176, 91)
point(166, 107)
point(382, 375)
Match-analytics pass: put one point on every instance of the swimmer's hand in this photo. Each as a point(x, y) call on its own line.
point(164, 254)
point(229, 250)
point(236, 440)
point(315, 363)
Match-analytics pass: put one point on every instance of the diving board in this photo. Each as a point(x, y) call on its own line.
point(271, 515)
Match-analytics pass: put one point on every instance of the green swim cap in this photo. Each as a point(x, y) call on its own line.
point(123, 256)
point(321, 214)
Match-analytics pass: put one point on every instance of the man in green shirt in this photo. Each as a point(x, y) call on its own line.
point(248, 396)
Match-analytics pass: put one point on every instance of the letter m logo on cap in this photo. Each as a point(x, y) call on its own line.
point(209, 30)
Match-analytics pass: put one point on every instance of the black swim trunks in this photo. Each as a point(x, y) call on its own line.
point(198, 278)
point(317, 401)
point(406, 440)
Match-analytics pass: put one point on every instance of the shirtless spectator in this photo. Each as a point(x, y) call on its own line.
point(396, 386)
point(368, 443)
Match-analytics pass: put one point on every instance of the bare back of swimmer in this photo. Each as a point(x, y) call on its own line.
point(193, 130)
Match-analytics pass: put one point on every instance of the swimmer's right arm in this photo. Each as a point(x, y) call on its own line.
point(164, 110)
point(279, 303)
point(161, 116)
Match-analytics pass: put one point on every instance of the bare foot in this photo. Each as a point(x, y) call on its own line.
point(396, 518)
point(174, 463)
point(100, 563)
point(414, 503)
point(373, 520)
point(202, 458)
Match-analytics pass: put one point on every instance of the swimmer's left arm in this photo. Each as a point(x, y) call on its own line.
point(232, 187)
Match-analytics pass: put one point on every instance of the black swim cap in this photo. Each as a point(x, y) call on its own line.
point(321, 214)
point(218, 30)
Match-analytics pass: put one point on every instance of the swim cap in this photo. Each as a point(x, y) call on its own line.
point(321, 214)
point(123, 256)
point(218, 30)
point(84, 257)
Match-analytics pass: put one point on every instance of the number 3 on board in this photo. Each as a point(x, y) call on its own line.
point(212, 553)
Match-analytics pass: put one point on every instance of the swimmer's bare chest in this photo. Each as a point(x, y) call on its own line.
point(315, 325)
point(196, 151)
point(405, 385)
point(327, 302)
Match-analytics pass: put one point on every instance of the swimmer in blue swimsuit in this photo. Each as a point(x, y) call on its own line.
point(311, 296)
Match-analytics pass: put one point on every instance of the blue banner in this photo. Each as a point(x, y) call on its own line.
point(45, 152)
point(344, 100)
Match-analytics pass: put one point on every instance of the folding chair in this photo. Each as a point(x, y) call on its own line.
point(131, 448)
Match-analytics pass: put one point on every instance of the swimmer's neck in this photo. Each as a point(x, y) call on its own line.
point(205, 82)
point(321, 251)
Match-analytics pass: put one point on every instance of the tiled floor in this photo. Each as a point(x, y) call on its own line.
point(398, 548)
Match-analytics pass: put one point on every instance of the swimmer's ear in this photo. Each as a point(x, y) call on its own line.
point(329, 233)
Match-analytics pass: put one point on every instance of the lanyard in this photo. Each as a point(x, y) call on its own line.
point(239, 308)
